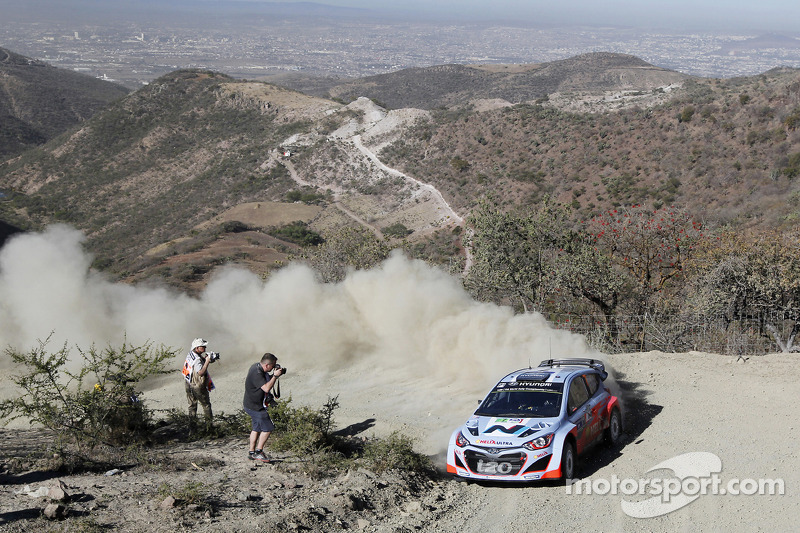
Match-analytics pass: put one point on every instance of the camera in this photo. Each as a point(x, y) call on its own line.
point(280, 367)
point(213, 356)
point(269, 400)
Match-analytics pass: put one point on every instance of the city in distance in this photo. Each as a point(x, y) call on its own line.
point(133, 43)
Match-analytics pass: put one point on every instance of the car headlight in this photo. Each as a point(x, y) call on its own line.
point(461, 440)
point(539, 442)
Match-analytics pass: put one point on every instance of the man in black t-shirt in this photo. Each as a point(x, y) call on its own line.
point(257, 386)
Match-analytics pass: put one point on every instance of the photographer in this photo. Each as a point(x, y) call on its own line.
point(258, 388)
point(198, 381)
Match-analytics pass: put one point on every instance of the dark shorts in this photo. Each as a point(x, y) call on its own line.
point(261, 420)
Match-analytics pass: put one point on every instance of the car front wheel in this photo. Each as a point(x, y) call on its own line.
point(569, 462)
point(614, 429)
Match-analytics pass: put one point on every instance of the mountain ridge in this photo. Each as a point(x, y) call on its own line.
point(449, 85)
point(165, 168)
point(39, 101)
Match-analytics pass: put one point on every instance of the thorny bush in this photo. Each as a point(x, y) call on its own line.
point(99, 402)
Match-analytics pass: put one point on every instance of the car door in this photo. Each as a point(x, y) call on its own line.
point(595, 407)
point(578, 411)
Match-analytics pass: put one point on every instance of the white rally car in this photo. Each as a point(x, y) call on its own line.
point(536, 422)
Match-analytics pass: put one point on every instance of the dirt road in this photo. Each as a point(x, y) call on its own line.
point(704, 405)
point(676, 404)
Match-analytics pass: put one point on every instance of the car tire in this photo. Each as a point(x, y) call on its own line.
point(614, 430)
point(569, 462)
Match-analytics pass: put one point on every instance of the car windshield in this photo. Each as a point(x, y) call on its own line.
point(528, 400)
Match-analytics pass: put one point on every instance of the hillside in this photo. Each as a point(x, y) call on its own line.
point(153, 166)
point(165, 169)
point(452, 85)
point(726, 149)
point(6, 231)
point(198, 170)
point(38, 101)
point(161, 181)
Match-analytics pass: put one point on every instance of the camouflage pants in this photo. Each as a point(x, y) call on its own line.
point(198, 394)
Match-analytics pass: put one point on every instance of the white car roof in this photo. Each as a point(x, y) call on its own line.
point(556, 370)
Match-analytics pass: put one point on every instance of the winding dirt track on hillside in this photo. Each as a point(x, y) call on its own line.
point(293, 173)
point(449, 215)
point(424, 187)
point(336, 203)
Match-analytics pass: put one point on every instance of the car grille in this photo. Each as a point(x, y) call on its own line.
point(539, 465)
point(507, 464)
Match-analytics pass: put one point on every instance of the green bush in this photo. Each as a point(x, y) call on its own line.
point(98, 403)
point(302, 430)
point(395, 452)
point(459, 164)
point(305, 197)
point(308, 433)
point(686, 114)
point(297, 232)
point(189, 272)
point(233, 226)
point(397, 230)
point(792, 120)
point(792, 168)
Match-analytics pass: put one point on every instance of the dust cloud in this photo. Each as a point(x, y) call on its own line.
point(405, 334)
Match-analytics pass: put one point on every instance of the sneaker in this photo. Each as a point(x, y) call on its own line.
point(251, 455)
point(259, 456)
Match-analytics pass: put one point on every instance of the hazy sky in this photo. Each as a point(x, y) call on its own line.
point(763, 15)
point(760, 16)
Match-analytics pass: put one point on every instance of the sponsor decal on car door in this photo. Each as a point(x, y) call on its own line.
point(581, 408)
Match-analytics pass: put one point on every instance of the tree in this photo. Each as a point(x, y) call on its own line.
point(792, 120)
point(590, 274)
point(515, 254)
point(459, 164)
point(348, 248)
point(298, 233)
point(753, 277)
point(652, 246)
point(686, 114)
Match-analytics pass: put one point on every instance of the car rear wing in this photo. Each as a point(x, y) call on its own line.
point(592, 363)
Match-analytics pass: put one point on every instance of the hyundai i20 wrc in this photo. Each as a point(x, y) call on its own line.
point(535, 423)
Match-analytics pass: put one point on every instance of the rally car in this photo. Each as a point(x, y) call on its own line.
point(535, 423)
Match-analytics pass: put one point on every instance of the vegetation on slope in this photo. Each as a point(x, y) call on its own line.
point(726, 148)
point(38, 101)
point(156, 164)
point(453, 85)
point(159, 166)
point(101, 406)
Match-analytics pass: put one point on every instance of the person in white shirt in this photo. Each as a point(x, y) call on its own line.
point(197, 379)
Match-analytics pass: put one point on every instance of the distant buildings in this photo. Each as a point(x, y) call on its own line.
point(119, 50)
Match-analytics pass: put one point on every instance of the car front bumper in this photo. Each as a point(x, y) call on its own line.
point(506, 464)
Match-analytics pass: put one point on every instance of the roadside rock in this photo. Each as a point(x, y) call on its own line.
point(58, 492)
point(168, 503)
point(54, 511)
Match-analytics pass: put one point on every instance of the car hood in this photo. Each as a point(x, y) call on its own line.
point(506, 431)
